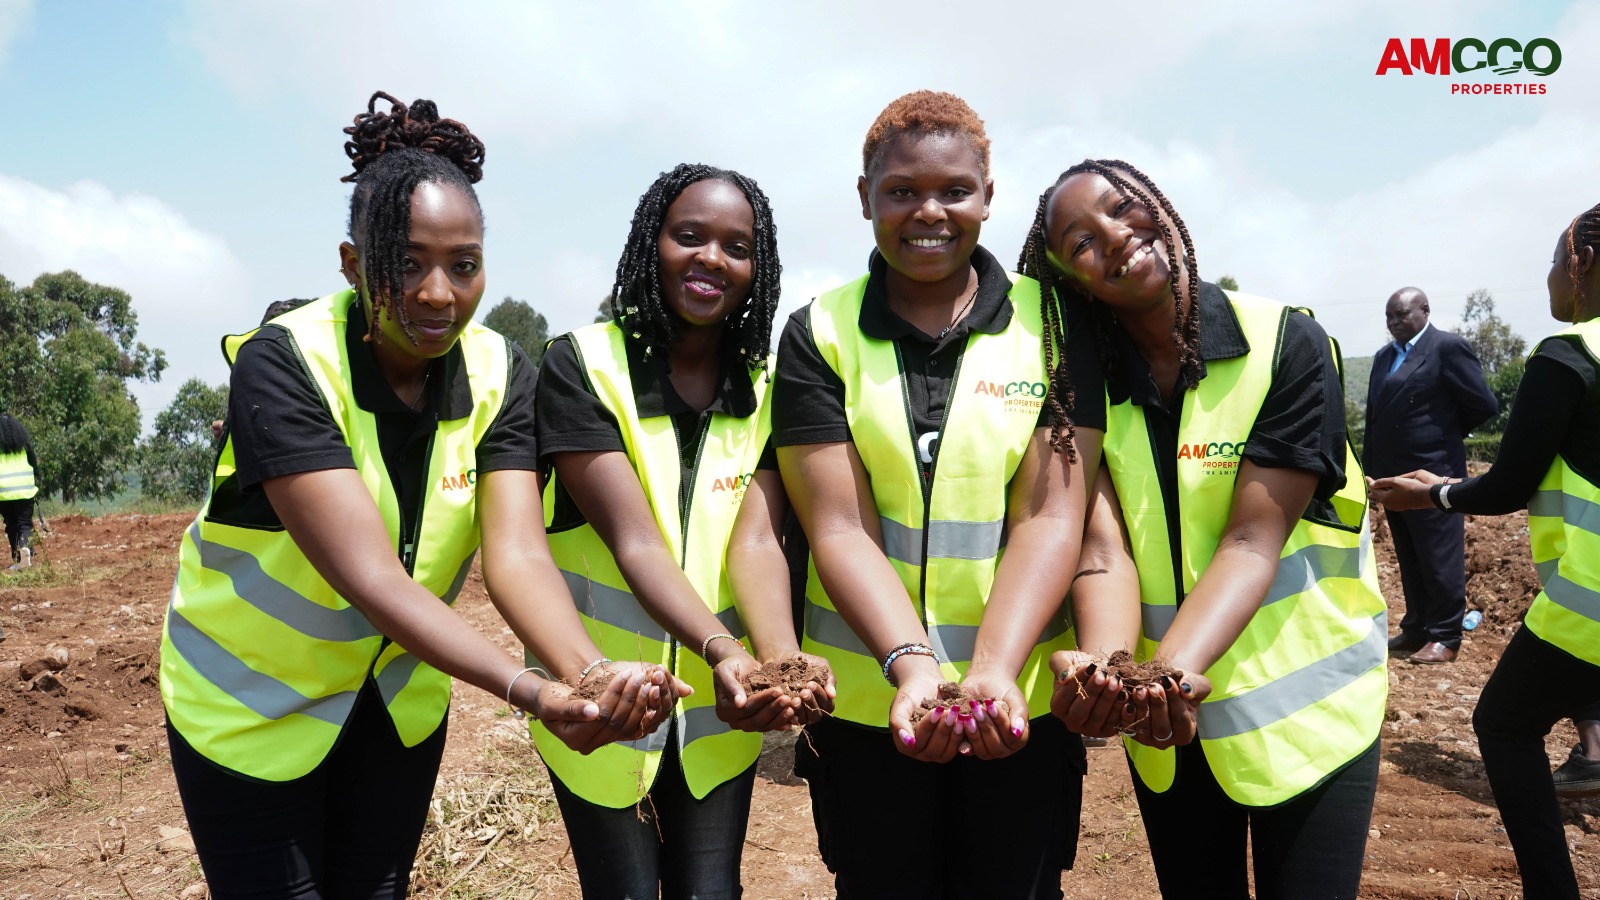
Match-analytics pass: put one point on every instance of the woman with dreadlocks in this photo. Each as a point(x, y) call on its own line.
point(18, 487)
point(915, 438)
point(654, 423)
point(377, 438)
point(1226, 452)
point(1548, 462)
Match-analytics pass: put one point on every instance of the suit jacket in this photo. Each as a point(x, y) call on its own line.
point(1418, 417)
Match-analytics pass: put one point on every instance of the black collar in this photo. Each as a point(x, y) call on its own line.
point(449, 390)
point(991, 308)
point(654, 395)
point(1221, 337)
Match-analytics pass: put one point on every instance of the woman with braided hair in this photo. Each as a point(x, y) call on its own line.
point(1237, 516)
point(377, 439)
point(915, 440)
point(655, 424)
point(1548, 462)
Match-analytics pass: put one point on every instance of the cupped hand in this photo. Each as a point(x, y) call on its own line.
point(932, 739)
point(619, 714)
point(661, 691)
point(1405, 492)
point(1086, 695)
point(1165, 712)
point(815, 700)
point(996, 724)
point(766, 710)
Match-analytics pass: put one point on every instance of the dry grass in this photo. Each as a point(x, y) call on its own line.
point(483, 828)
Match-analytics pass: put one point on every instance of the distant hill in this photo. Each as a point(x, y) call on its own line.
point(1357, 371)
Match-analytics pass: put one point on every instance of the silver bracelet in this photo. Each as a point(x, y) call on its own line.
point(1444, 496)
point(516, 710)
point(590, 668)
point(706, 644)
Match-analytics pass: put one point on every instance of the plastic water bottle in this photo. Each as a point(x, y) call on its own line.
point(1471, 619)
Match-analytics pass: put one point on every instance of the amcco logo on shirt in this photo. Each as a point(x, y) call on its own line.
point(734, 483)
point(466, 481)
point(1018, 396)
point(1215, 458)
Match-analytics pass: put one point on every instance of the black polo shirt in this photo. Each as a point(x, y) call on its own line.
point(1301, 422)
point(573, 419)
point(280, 426)
point(808, 400)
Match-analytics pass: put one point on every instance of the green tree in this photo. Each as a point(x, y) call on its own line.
point(521, 325)
point(69, 346)
point(602, 312)
point(1228, 283)
point(1501, 351)
point(175, 463)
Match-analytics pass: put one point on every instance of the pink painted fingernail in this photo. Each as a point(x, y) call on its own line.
point(1016, 732)
point(907, 738)
point(990, 705)
point(979, 714)
point(965, 749)
point(1017, 724)
point(937, 714)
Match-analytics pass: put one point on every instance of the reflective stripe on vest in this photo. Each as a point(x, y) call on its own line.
point(16, 476)
point(619, 775)
point(1564, 536)
point(946, 549)
point(1302, 690)
point(261, 659)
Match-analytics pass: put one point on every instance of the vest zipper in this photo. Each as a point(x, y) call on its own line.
point(408, 536)
point(685, 502)
point(927, 490)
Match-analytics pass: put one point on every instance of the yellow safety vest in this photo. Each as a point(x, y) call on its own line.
point(1564, 535)
point(1302, 690)
point(619, 775)
point(261, 660)
point(16, 476)
point(945, 549)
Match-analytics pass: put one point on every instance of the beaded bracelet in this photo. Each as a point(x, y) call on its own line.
point(706, 644)
point(516, 710)
point(590, 668)
point(902, 650)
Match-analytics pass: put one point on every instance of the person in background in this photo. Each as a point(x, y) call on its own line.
point(18, 486)
point(1548, 462)
point(1426, 393)
point(274, 309)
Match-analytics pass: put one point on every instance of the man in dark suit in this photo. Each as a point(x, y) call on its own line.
point(1427, 392)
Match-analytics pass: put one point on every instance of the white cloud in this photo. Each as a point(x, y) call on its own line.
point(187, 286)
point(16, 19)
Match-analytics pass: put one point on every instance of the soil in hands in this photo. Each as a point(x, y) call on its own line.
point(1137, 674)
point(791, 675)
point(594, 687)
point(953, 697)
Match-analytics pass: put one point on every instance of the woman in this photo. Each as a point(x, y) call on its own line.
point(1549, 462)
point(654, 422)
point(18, 487)
point(306, 658)
point(1225, 451)
point(916, 434)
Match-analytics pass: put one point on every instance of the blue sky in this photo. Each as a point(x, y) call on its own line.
point(190, 152)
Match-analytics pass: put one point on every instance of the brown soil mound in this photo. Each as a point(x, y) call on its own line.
point(792, 675)
point(956, 698)
point(594, 687)
point(1138, 674)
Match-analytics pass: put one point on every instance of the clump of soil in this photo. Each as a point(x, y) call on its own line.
point(594, 687)
point(1134, 674)
point(790, 675)
point(953, 697)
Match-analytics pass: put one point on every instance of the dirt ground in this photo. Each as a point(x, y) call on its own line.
point(88, 809)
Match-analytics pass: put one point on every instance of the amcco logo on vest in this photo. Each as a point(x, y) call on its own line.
point(466, 481)
point(1505, 56)
point(734, 483)
point(1019, 396)
point(1215, 458)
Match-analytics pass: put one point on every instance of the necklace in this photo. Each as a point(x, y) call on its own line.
point(421, 388)
point(973, 295)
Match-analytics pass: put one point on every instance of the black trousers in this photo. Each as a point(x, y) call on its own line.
point(1431, 547)
point(19, 524)
point(892, 826)
point(1307, 848)
point(683, 848)
point(1536, 685)
point(349, 829)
